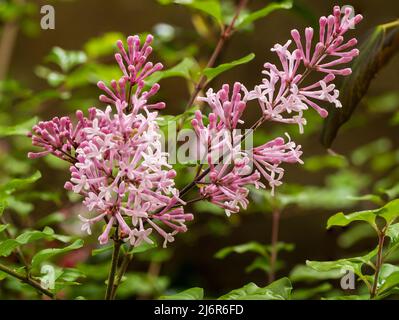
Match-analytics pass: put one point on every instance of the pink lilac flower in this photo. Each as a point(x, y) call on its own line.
point(282, 91)
point(282, 97)
point(229, 177)
point(118, 165)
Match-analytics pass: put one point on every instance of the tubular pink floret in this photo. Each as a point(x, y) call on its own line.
point(125, 139)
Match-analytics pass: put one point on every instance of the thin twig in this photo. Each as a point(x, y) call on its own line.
point(378, 265)
point(26, 279)
point(122, 270)
point(7, 43)
point(274, 242)
point(224, 36)
point(112, 271)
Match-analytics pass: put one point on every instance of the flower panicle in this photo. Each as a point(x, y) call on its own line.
point(283, 97)
point(117, 162)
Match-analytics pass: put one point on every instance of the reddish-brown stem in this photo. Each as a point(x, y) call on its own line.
point(224, 36)
point(114, 265)
point(274, 242)
point(379, 262)
point(122, 270)
point(28, 280)
point(7, 43)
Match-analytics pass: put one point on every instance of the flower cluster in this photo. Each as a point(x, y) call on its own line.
point(117, 162)
point(282, 97)
point(116, 156)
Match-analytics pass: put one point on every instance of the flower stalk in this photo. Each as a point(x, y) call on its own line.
point(112, 271)
point(379, 262)
point(274, 243)
point(28, 280)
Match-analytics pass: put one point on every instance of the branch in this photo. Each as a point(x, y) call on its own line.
point(26, 279)
point(274, 241)
point(7, 43)
point(224, 36)
point(122, 270)
point(378, 265)
point(112, 271)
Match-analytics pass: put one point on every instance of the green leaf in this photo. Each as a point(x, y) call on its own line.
point(308, 293)
point(349, 297)
point(9, 245)
point(389, 283)
point(141, 284)
point(393, 233)
point(308, 274)
point(389, 212)
point(101, 250)
point(355, 234)
point(66, 60)
point(393, 192)
point(242, 248)
point(260, 263)
point(277, 290)
point(209, 207)
point(15, 184)
point(50, 219)
point(375, 53)
point(21, 207)
point(212, 73)
point(367, 152)
point(250, 18)
point(53, 78)
point(374, 198)
point(103, 45)
point(183, 69)
point(209, 7)
point(343, 220)
point(3, 227)
point(317, 163)
point(189, 294)
point(351, 264)
point(47, 254)
point(21, 129)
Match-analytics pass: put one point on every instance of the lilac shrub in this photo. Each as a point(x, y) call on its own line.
point(116, 158)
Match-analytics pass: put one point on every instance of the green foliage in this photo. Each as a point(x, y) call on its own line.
point(355, 234)
point(142, 285)
point(278, 290)
point(389, 212)
point(66, 60)
point(9, 245)
point(249, 18)
point(185, 69)
point(262, 261)
point(212, 73)
point(46, 254)
point(189, 294)
point(103, 45)
point(211, 8)
point(21, 129)
point(309, 293)
point(246, 247)
point(16, 184)
point(309, 274)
